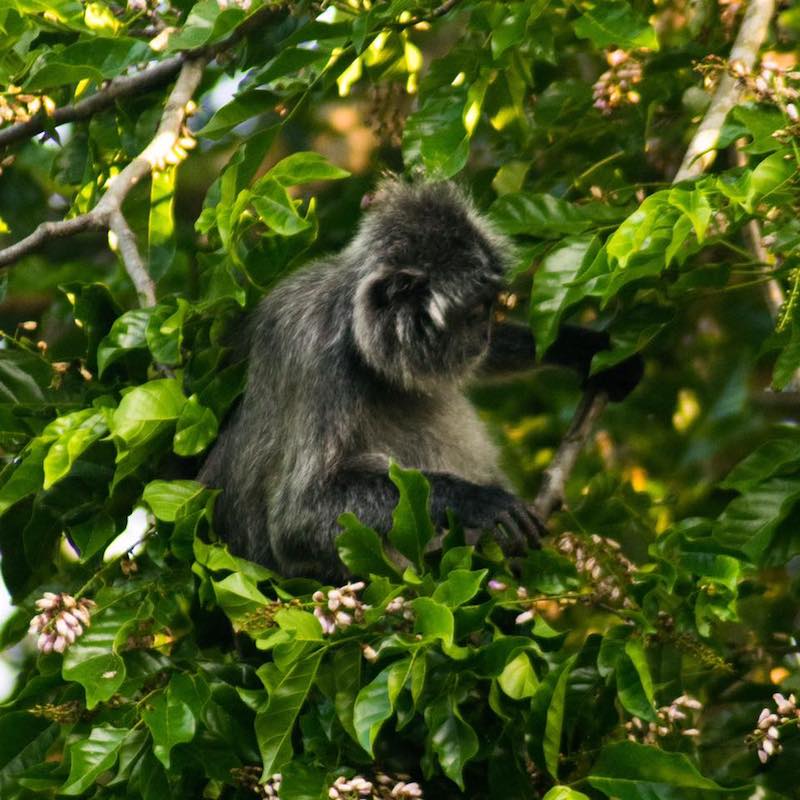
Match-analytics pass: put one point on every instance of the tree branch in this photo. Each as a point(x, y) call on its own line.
point(107, 214)
point(126, 85)
point(551, 492)
point(701, 151)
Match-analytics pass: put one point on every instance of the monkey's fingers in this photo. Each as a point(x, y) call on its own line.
point(535, 529)
point(514, 540)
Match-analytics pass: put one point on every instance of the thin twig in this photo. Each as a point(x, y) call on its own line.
point(702, 149)
point(107, 214)
point(122, 86)
point(551, 492)
point(127, 85)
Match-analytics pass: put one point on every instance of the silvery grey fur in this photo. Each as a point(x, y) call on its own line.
point(361, 359)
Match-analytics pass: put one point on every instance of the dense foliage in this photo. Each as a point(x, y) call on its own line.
point(632, 656)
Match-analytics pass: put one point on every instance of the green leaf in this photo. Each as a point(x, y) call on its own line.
point(161, 225)
point(277, 210)
point(91, 757)
point(347, 661)
point(361, 551)
point(518, 679)
point(303, 625)
point(540, 215)
point(79, 431)
point(274, 725)
point(195, 430)
point(412, 528)
point(245, 106)
point(554, 722)
point(207, 22)
point(643, 229)
point(96, 60)
point(27, 477)
point(632, 771)
point(305, 167)
point(749, 522)
point(170, 717)
point(433, 620)
point(460, 586)
point(435, 139)
point(695, 205)
point(375, 703)
point(765, 461)
point(564, 793)
point(615, 24)
point(93, 660)
point(772, 174)
point(167, 498)
point(126, 334)
point(452, 739)
point(25, 741)
point(164, 332)
point(146, 410)
point(553, 294)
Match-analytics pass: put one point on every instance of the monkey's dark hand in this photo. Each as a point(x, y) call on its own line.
point(513, 523)
point(618, 381)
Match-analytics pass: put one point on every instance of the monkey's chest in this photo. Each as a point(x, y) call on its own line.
point(450, 439)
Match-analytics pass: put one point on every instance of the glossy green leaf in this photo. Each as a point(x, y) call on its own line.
point(90, 757)
point(452, 739)
point(170, 717)
point(93, 660)
point(460, 586)
point(305, 167)
point(25, 741)
point(126, 334)
point(765, 461)
point(375, 702)
point(749, 522)
point(146, 410)
point(161, 225)
point(695, 205)
point(167, 498)
point(274, 725)
point(361, 550)
point(195, 430)
point(433, 620)
point(554, 724)
point(540, 215)
point(564, 793)
point(277, 210)
point(518, 679)
point(615, 25)
point(435, 139)
point(81, 430)
point(632, 771)
point(412, 528)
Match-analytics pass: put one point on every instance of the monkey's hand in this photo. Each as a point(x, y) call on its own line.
point(618, 381)
point(513, 523)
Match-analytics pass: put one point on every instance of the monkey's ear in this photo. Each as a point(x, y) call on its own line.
point(398, 286)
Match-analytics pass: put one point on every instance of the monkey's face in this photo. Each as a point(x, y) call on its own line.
point(420, 327)
point(431, 269)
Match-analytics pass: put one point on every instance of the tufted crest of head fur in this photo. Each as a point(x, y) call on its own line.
point(429, 269)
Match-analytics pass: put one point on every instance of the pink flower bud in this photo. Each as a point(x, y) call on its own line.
point(497, 586)
point(525, 616)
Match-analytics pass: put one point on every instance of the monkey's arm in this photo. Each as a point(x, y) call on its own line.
point(371, 496)
point(512, 349)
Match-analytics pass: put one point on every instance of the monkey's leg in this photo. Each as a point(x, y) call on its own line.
point(512, 348)
point(371, 496)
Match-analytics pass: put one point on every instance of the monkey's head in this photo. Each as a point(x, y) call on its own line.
point(429, 268)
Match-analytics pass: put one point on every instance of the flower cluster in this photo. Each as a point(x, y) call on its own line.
point(339, 608)
point(383, 787)
point(767, 733)
point(60, 621)
point(522, 594)
point(244, 5)
point(676, 718)
point(249, 778)
point(15, 106)
point(600, 560)
point(400, 607)
point(615, 86)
